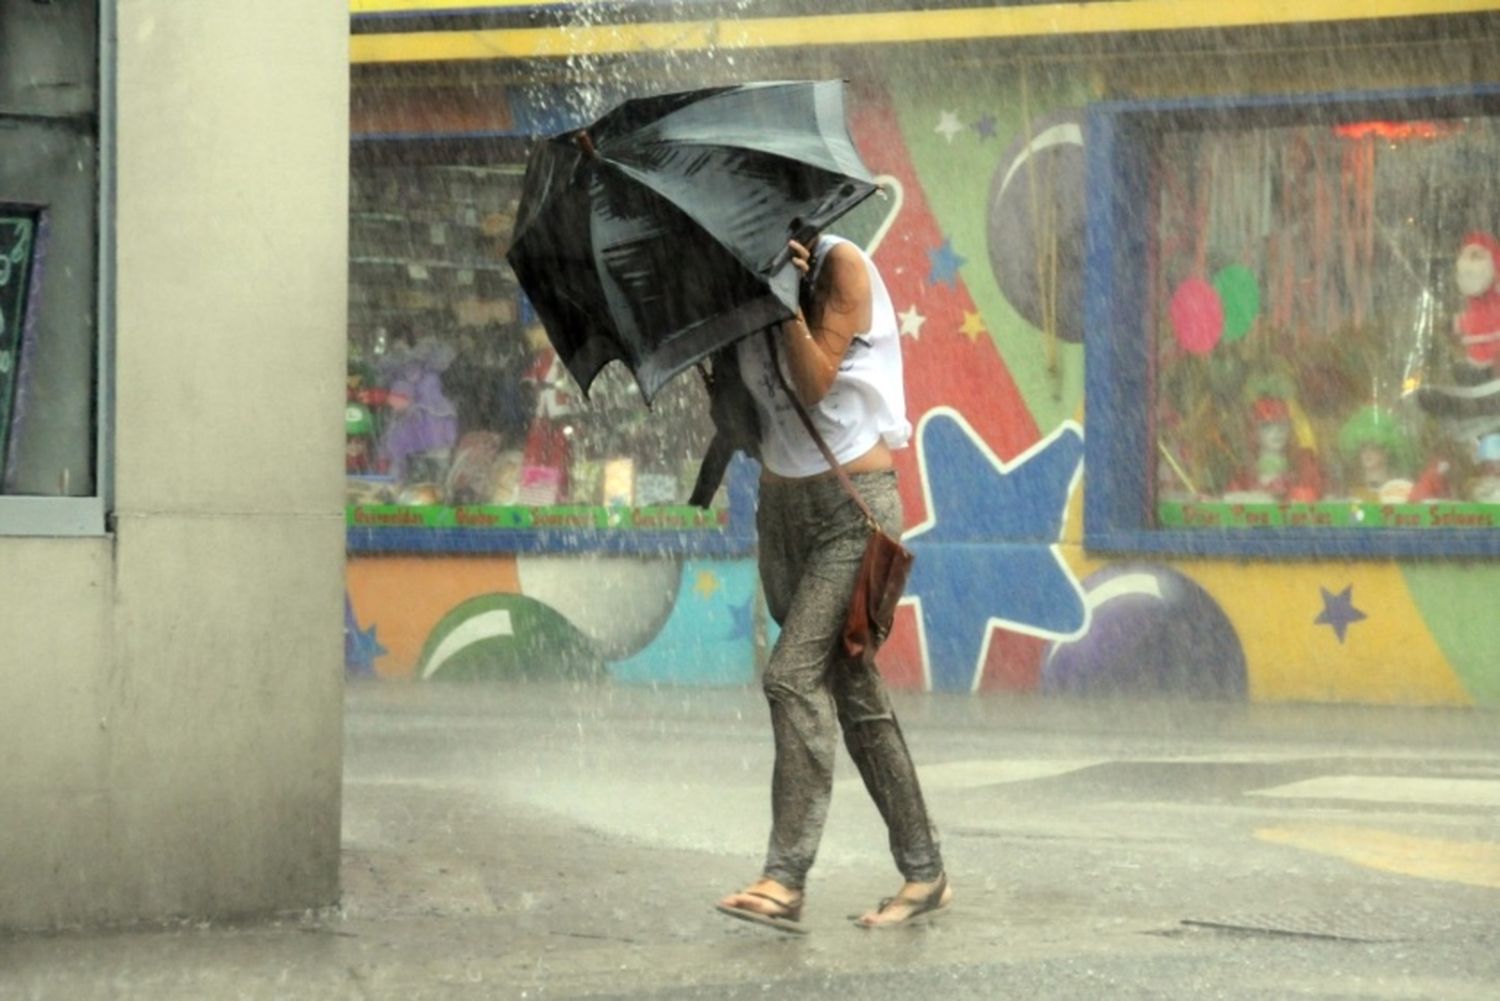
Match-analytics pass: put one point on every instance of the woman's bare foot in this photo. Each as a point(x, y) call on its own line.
point(767, 902)
point(765, 896)
point(914, 900)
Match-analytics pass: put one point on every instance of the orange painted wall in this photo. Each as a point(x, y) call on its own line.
point(408, 595)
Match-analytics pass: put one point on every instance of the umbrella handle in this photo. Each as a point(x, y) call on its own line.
point(581, 137)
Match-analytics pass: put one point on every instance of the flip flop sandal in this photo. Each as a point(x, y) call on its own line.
point(787, 920)
point(927, 906)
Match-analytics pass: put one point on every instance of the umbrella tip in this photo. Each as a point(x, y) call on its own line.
point(581, 137)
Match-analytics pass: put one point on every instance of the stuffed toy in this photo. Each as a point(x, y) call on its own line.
point(1282, 468)
point(1485, 487)
point(1379, 452)
point(1478, 326)
point(1477, 377)
point(1285, 462)
point(424, 421)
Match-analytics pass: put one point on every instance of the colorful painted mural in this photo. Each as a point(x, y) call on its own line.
point(980, 240)
point(636, 620)
point(1315, 630)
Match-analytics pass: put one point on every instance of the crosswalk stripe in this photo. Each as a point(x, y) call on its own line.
point(1391, 789)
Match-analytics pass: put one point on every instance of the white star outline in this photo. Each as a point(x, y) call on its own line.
point(1005, 469)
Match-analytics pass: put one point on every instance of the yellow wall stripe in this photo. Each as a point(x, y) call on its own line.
point(862, 29)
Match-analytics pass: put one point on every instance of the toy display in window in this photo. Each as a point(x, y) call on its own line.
point(423, 423)
point(483, 471)
point(493, 418)
point(495, 410)
point(359, 440)
point(1478, 326)
point(361, 424)
point(1378, 457)
point(546, 456)
point(1485, 487)
point(1284, 464)
point(1477, 329)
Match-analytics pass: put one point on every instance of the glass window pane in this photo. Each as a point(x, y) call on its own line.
point(48, 209)
point(1326, 323)
point(48, 59)
point(51, 169)
point(459, 413)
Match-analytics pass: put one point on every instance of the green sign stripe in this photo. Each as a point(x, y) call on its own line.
point(1224, 514)
point(673, 518)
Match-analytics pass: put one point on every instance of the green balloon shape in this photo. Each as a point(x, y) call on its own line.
point(1240, 293)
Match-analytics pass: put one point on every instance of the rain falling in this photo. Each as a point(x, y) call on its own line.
point(872, 498)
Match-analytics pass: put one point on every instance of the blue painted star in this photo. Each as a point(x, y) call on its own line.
point(1339, 611)
point(361, 647)
point(945, 264)
point(740, 625)
point(987, 555)
point(985, 127)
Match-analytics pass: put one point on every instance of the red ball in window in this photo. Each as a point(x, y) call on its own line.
point(1197, 316)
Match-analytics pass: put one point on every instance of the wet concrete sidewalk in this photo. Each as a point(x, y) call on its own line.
point(545, 841)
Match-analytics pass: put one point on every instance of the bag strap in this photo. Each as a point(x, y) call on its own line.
point(817, 438)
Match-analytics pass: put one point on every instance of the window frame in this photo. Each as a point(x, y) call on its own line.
point(45, 516)
point(1118, 351)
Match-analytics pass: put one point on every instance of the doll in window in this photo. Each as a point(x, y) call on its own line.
point(1377, 454)
point(1283, 466)
point(424, 423)
point(1478, 326)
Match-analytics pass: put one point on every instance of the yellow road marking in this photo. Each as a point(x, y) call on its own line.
point(1473, 863)
point(862, 29)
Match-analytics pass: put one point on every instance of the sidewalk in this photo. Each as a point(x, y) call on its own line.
point(558, 841)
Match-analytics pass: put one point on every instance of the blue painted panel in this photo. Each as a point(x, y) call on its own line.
point(709, 639)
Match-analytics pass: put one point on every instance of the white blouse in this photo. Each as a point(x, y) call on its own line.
point(866, 403)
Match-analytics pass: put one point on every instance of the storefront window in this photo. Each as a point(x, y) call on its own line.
point(50, 404)
point(1323, 319)
point(459, 414)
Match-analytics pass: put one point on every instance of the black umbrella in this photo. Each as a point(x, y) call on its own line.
point(658, 234)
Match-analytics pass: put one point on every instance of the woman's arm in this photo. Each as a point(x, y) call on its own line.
point(815, 345)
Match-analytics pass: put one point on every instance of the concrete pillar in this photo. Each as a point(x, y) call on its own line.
point(171, 719)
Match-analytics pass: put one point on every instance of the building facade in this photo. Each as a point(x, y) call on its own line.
point(1196, 309)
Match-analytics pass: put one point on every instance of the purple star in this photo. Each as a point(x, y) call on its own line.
point(985, 127)
point(1339, 611)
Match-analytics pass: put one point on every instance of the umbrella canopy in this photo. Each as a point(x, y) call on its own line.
point(658, 234)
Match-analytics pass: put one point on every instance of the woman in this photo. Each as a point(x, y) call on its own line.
point(843, 361)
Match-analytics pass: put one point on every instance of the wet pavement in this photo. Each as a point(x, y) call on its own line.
point(551, 840)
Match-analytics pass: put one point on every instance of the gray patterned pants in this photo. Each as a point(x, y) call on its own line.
point(812, 538)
